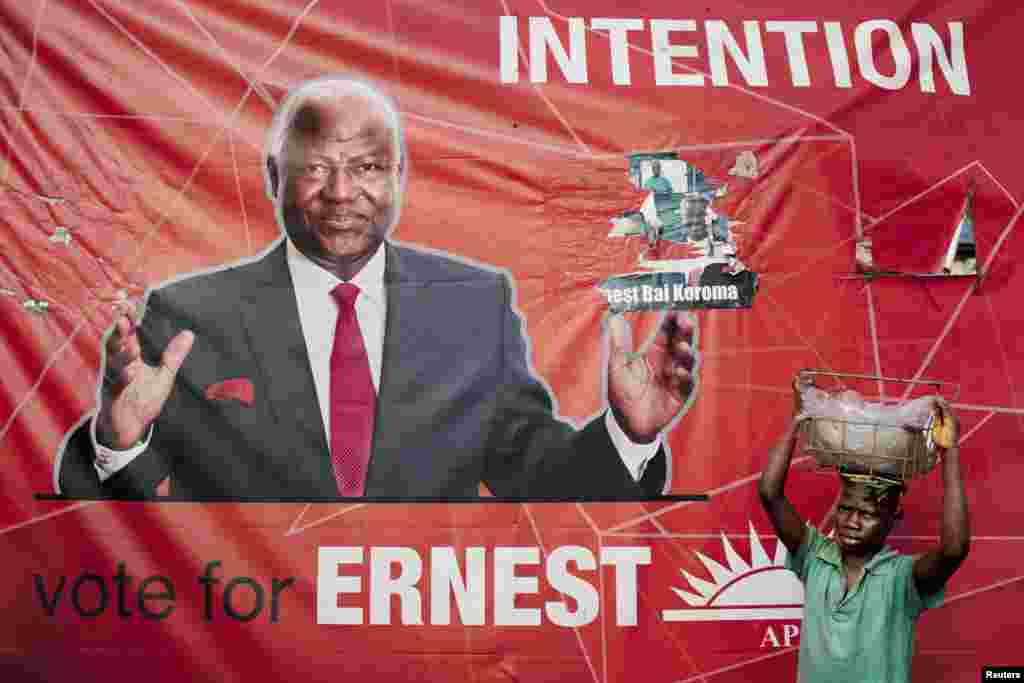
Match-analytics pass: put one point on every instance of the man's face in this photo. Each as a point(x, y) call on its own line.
point(861, 523)
point(656, 168)
point(340, 180)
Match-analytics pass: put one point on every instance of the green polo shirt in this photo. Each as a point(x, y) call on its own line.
point(658, 184)
point(866, 636)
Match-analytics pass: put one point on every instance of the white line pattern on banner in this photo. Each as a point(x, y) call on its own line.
point(241, 196)
point(984, 169)
point(576, 630)
point(142, 243)
point(94, 115)
point(872, 323)
point(984, 589)
point(260, 91)
point(931, 188)
point(540, 93)
point(566, 151)
point(74, 332)
point(982, 273)
point(30, 71)
point(983, 420)
point(48, 515)
point(294, 529)
point(156, 58)
point(997, 331)
point(858, 228)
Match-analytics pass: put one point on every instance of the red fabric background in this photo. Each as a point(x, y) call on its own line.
point(139, 127)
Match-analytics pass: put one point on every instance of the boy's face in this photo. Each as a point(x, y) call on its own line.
point(862, 522)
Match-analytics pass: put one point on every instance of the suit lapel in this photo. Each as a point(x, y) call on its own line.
point(270, 315)
point(408, 302)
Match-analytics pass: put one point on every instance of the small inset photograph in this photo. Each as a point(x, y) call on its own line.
point(700, 267)
point(678, 206)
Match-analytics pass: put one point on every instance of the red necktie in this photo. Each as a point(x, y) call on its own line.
point(353, 398)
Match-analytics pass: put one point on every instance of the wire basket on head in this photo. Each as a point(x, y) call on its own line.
point(898, 454)
point(891, 451)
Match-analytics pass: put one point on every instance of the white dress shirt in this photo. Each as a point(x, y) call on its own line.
point(318, 315)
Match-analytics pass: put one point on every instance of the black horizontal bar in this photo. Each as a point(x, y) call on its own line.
point(413, 500)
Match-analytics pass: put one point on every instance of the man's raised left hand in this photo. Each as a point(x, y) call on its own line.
point(647, 389)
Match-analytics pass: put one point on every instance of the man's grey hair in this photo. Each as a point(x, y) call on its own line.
point(326, 87)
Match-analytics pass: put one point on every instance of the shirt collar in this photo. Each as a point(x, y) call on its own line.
point(879, 563)
point(307, 275)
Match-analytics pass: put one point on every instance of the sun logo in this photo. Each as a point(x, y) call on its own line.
point(759, 589)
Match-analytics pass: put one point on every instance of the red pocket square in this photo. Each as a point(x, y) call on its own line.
point(239, 389)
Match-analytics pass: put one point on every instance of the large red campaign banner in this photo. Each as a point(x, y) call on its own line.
point(861, 162)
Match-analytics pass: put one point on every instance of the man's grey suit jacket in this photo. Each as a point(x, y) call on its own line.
point(457, 403)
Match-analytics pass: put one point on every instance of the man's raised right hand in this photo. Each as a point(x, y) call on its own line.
point(134, 392)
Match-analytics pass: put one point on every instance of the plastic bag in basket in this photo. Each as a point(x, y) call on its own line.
point(882, 438)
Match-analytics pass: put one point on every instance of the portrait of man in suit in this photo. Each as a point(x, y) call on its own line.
point(340, 363)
